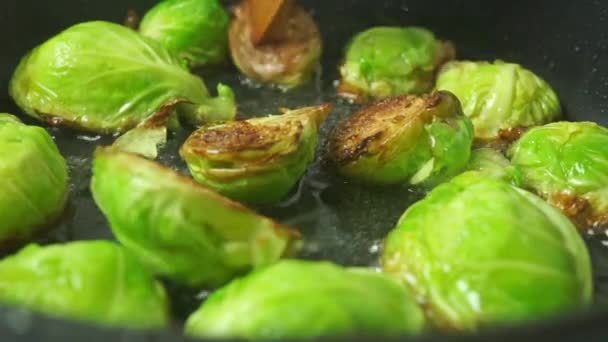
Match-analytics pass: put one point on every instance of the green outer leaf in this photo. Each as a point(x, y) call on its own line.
point(104, 77)
point(479, 252)
point(180, 229)
point(566, 157)
point(33, 179)
point(193, 30)
point(95, 281)
point(299, 299)
point(390, 61)
point(253, 175)
point(220, 108)
point(499, 95)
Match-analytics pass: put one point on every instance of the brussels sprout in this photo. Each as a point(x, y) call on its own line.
point(494, 164)
point(407, 139)
point(390, 61)
point(478, 251)
point(196, 31)
point(287, 63)
point(567, 164)
point(299, 299)
point(180, 229)
point(33, 180)
point(257, 160)
point(500, 97)
point(95, 281)
point(105, 77)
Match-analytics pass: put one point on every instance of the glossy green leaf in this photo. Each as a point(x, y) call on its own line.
point(390, 61)
point(566, 158)
point(499, 96)
point(180, 229)
point(195, 31)
point(478, 251)
point(33, 180)
point(299, 299)
point(105, 77)
point(93, 281)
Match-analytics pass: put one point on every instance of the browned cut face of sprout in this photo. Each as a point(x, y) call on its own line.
point(257, 160)
point(403, 140)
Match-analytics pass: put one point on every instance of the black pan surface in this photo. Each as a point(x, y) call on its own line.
point(565, 42)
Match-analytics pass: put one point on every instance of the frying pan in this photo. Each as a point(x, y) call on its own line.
point(565, 42)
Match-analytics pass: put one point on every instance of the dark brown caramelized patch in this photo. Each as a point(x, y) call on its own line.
point(240, 136)
point(156, 119)
point(357, 135)
point(580, 212)
point(503, 141)
point(132, 19)
point(512, 134)
point(161, 117)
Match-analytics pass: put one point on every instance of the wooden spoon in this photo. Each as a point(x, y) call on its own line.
point(269, 19)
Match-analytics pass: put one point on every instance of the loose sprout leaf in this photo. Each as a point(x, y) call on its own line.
point(195, 31)
point(567, 164)
point(300, 299)
point(33, 181)
point(148, 135)
point(180, 229)
point(257, 160)
point(143, 140)
point(93, 281)
point(288, 63)
point(408, 139)
point(389, 61)
point(499, 96)
point(105, 77)
point(214, 109)
point(478, 251)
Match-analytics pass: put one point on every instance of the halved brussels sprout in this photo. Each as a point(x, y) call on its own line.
point(94, 281)
point(567, 164)
point(287, 63)
point(180, 229)
point(492, 163)
point(257, 160)
point(195, 31)
point(389, 61)
point(500, 97)
point(406, 139)
point(478, 251)
point(104, 77)
point(33, 180)
point(299, 299)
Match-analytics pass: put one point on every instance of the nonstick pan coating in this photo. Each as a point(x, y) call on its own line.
point(565, 42)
